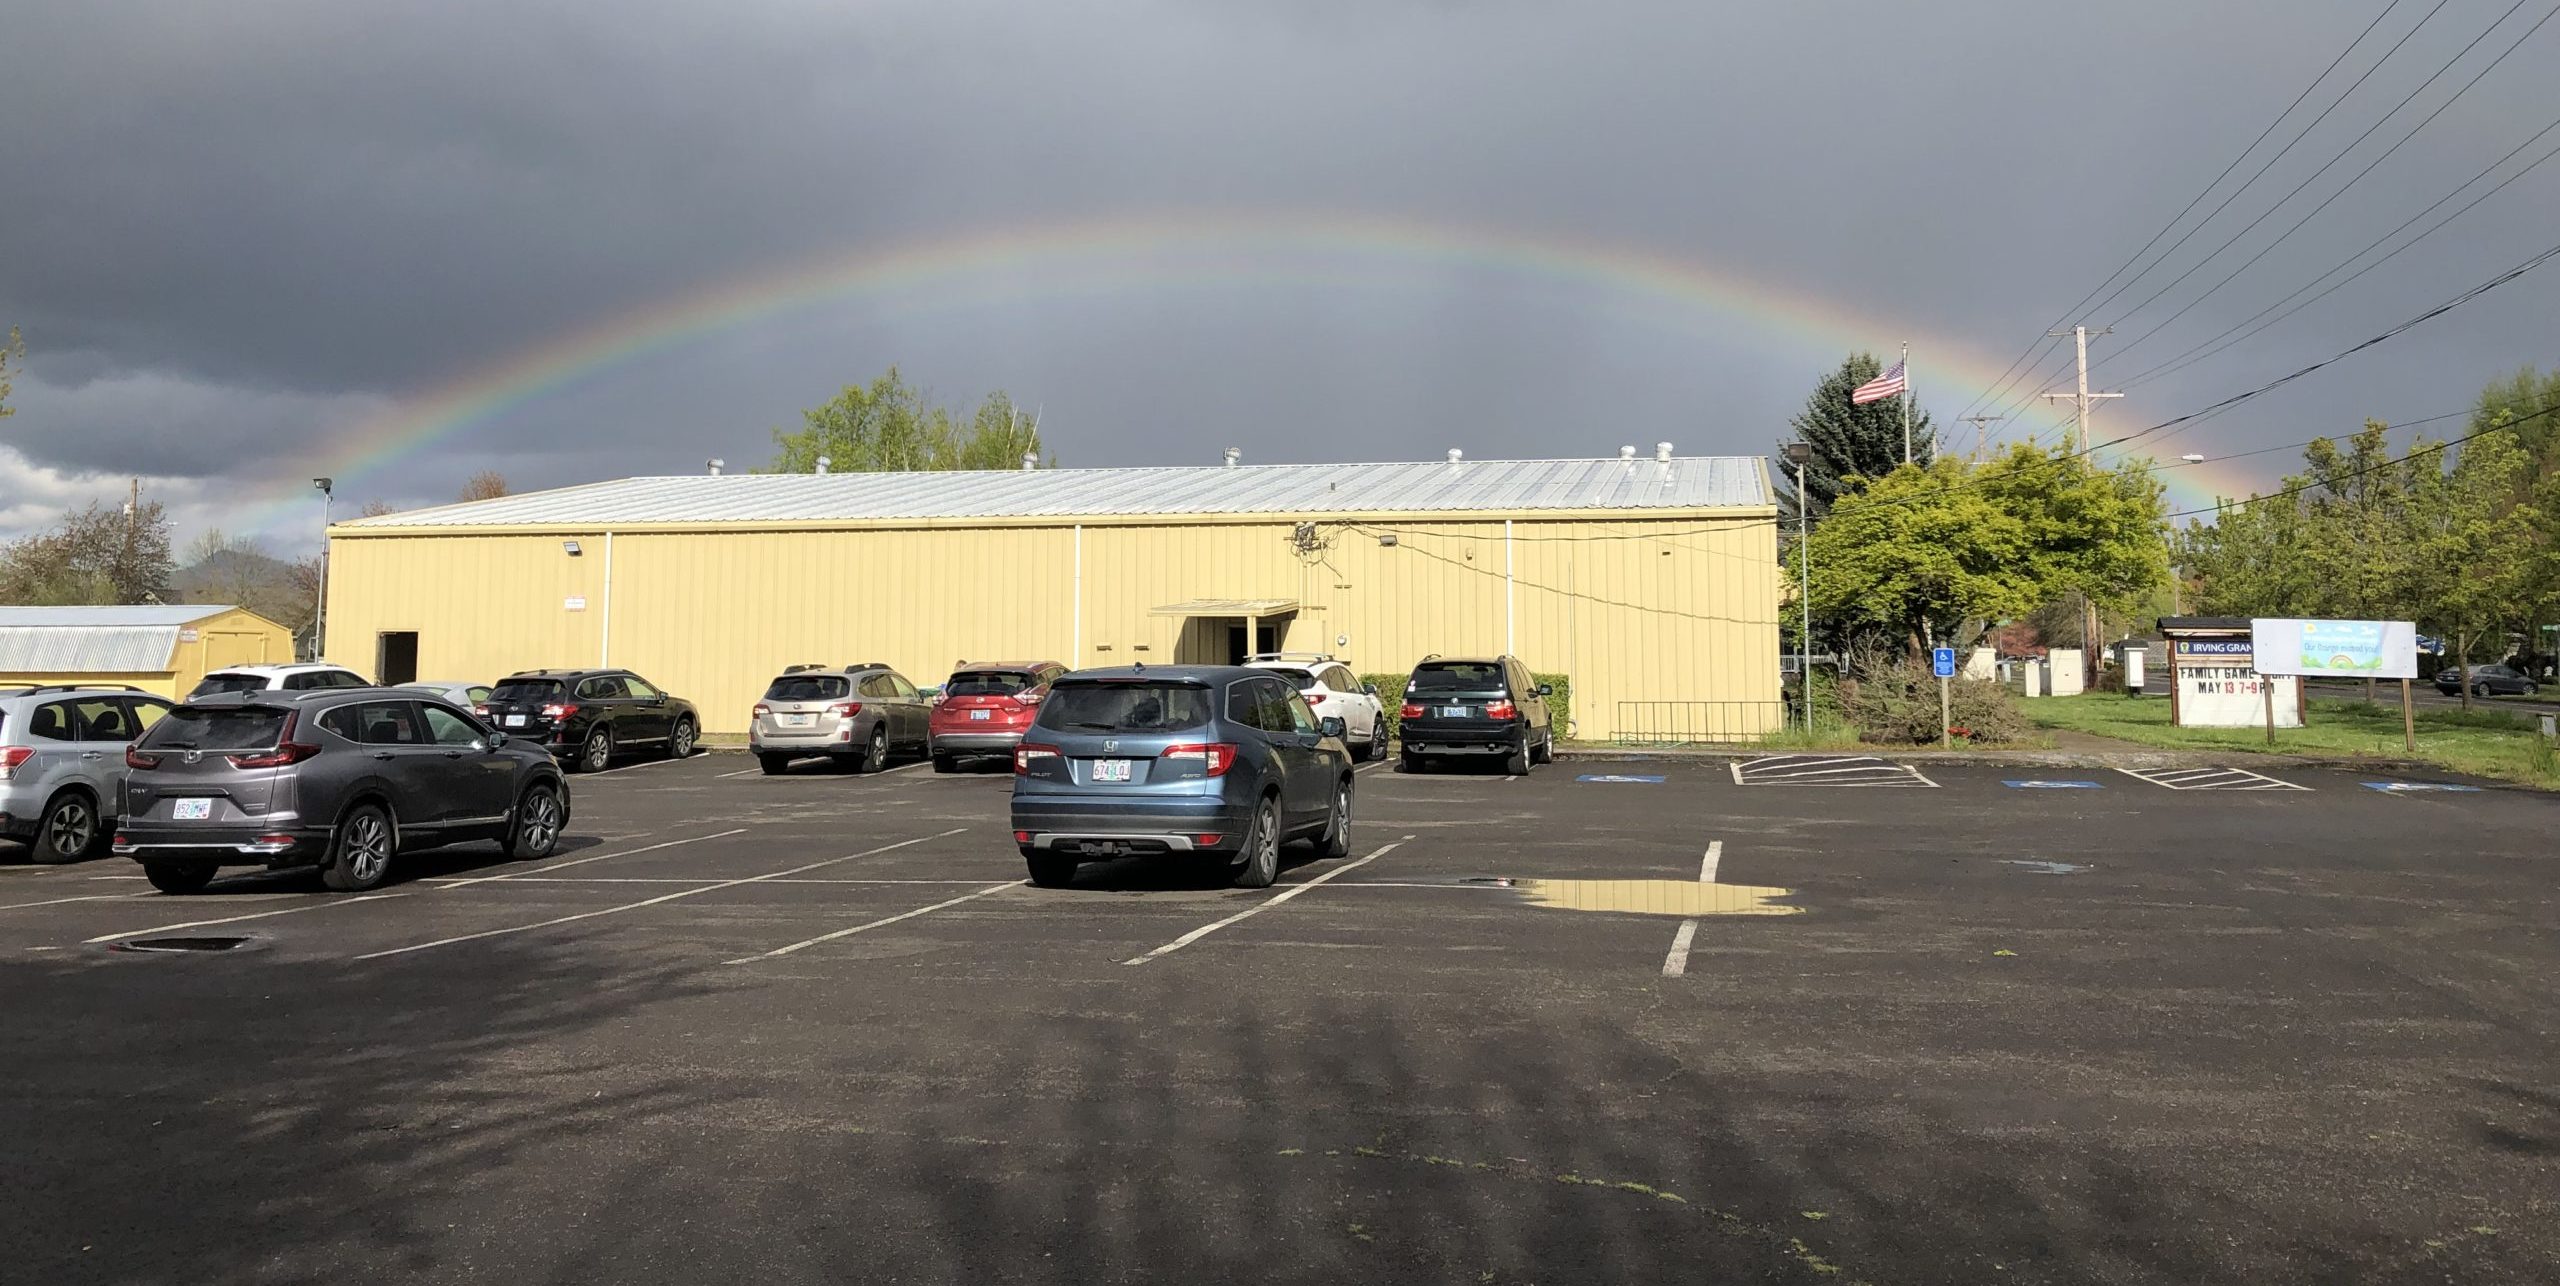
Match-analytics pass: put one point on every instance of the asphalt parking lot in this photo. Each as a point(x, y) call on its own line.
point(1808, 1019)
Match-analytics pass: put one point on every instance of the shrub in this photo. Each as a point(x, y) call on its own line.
point(1897, 704)
point(1559, 706)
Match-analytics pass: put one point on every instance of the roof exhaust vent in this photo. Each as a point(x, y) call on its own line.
point(1030, 459)
point(1456, 456)
point(1662, 452)
point(823, 462)
point(1626, 454)
point(715, 464)
point(1234, 454)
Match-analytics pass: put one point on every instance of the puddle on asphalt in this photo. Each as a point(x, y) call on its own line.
point(1657, 897)
point(2047, 868)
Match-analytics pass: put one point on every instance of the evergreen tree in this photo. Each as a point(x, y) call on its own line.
point(1862, 442)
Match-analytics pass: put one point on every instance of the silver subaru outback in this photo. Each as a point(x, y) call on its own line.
point(62, 764)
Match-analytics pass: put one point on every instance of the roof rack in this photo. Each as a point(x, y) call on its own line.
point(801, 669)
point(1290, 656)
point(82, 687)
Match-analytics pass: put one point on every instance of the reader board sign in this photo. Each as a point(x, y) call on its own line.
point(2219, 687)
point(2341, 649)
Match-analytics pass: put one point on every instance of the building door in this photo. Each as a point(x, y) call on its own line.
point(1266, 639)
point(395, 658)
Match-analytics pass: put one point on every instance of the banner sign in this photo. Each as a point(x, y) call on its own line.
point(2338, 649)
point(2214, 647)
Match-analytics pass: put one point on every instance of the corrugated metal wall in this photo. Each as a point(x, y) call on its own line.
point(1681, 610)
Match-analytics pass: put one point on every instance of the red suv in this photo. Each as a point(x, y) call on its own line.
point(986, 706)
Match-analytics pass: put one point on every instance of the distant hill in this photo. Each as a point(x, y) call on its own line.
point(270, 586)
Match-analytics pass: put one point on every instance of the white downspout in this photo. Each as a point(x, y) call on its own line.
point(604, 641)
point(1510, 644)
point(1075, 649)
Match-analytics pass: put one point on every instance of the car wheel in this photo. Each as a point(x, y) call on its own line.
point(71, 830)
point(1050, 871)
point(596, 751)
point(680, 742)
point(773, 765)
point(360, 850)
point(945, 763)
point(1261, 858)
point(2479, 689)
point(537, 829)
point(179, 876)
point(1337, 830)
point(1545, 752)
point(876, 757)
point(2531, 689)
point(1518, 764)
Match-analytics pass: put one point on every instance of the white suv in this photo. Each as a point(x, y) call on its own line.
point(299, 677)
point(1334, 692)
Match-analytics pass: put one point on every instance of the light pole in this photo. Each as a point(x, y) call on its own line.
point(320, 592)
point(1797, 454)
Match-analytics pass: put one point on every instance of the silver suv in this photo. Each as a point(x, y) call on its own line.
point(344, 780)
point(862, 714)
point(62, 764)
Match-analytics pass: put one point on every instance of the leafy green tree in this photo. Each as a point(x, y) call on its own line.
point(14, 350)
point(2473, 563)
point(97, 555)
point(886, 426)
point(1916, 554)
point(1850, 443)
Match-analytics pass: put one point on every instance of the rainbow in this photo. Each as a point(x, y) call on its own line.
point(1123, 254)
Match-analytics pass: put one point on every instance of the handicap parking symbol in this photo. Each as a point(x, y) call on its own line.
point(1616, 777)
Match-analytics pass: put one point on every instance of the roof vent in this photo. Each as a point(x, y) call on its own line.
point(1030, 459)
point(1456, 456)
point(715, 463)
point(1662, 452)
point(823, 462)
point(1627, 453)
point(1234, 454)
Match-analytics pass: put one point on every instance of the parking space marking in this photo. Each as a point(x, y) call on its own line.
point(92, 897)
point(1676, 964)
point(1829, 770)
point(884, 920)
point(357, 900)
point(2209, 779)
point(749, 772)
point(678, 879)
point(2044, 783)
point(548, 867)
point(661, 898)
point(1714, 858)
point(2404, 787)
point(649, 763)
point(1266, 904)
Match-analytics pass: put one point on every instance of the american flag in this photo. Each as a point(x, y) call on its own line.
point(1889, 384)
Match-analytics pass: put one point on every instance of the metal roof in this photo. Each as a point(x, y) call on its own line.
point(1435, 486)
point(1228, 607)
point(95, 640)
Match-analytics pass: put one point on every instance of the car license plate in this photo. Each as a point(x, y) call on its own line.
point(1111, 770)
point(982, 714)
point(190, 810)
point(515, 721)
point(1456, 712)
point(796, 720)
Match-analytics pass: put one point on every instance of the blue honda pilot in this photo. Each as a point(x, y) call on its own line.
point(1213, 760)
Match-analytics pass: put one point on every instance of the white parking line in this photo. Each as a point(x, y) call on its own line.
point(648, 902)
point(649, 763)
point(1806, 769)
point(548, 867)
point(1736, 766)
point(672, 879)
point(865, 928)
point(1259, 907)
point(1714, 858)
point(748, 773)
point(1677, 963)
point(93, 897)
point(2209, 779)
point(358, 900)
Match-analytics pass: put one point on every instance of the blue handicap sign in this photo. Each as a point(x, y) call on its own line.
point(2052, 785)
point(2403, 787)
point(1943, 660)
point(1617, 777)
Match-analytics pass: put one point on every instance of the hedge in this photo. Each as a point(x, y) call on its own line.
point(1391, 695)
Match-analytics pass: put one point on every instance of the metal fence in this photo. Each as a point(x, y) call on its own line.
point(1680, 723)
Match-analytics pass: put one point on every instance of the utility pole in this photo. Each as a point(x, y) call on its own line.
point(1979, 438)
point(2080, 451)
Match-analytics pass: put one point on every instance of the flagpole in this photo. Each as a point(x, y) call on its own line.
point(1905, 400)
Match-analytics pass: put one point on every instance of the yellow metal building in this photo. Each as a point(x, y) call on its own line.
point(1651, 583)
point(158, 648)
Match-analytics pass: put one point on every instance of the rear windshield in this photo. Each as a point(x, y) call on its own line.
point(1125, 707)
point(1457, 676)
point(809, 687)
point(1299, 679)
point(986, 683)
point(216, 728)
point(214, 683)
point(526, 690)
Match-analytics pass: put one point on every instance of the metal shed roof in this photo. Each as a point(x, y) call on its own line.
point(1684, 482)
point(95, 640)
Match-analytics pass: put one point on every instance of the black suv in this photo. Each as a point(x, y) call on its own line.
point(1481, 706)
point(584, 716)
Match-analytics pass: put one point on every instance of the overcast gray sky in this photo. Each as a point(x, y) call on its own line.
point(255, 241)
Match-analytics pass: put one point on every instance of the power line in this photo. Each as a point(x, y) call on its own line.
point(2371, 468)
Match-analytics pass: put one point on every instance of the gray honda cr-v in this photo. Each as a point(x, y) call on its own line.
point(341, 779)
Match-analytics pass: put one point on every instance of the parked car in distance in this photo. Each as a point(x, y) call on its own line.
point(301, 676)
point(1488, 706)
point(343, 780)
point(587, 716)
point(2487, 681)
point(473, 695)
point(1219, 762)
point(985, 706)
point(62, 764)
point(1332, 689)
point(859, 715)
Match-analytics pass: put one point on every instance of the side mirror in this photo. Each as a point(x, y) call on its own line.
point(1330, 726)
point(494, 741)
point(1546, 689)
point(1370, 688)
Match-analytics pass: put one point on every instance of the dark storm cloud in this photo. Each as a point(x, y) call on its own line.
point(233, 230)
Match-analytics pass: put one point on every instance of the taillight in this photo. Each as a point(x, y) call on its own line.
point(288, 751)
point(1030, 696)
point(762, 710)
point(16, 755)
point(1318, 698)
point(1218, 757)
point(1024, 755)
point(480, 710)
point(132, 759)
point(1502, 710)
point(1410, 710)
point(559, 710)
point(845, 709)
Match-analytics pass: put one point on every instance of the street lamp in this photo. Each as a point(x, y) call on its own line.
point(320, 592)
point(1797, 454)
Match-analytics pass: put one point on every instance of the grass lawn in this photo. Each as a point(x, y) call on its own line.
point(2490, 743)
